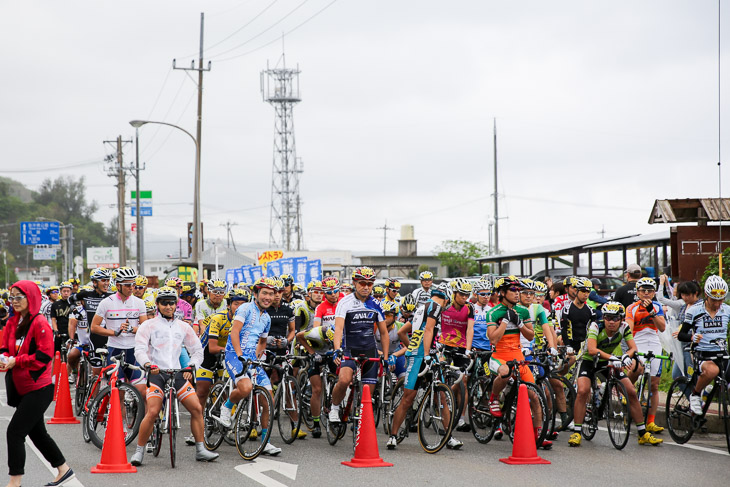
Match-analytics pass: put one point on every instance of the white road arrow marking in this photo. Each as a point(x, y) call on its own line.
point(255, 471)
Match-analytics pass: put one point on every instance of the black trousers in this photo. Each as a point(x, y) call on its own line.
point(28, 421)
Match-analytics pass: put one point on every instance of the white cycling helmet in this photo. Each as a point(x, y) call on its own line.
point(716, 287)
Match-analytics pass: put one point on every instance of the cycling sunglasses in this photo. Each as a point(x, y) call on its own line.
point(167, 302)
point(332, 292)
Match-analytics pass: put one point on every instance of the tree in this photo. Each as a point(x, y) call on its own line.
point(66, 195)
point(713, 268)
point(460, 256)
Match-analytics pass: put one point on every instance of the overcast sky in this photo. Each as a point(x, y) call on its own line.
point(601, 108)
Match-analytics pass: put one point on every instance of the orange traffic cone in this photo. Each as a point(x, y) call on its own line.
point(366, 449)
point(524, 450)
point(56, 373)
point(63, 414)
point(114, 453)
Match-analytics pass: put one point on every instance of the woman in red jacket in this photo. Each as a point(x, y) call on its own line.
point(26, 352)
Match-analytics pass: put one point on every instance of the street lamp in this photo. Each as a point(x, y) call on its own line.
point(197, 240)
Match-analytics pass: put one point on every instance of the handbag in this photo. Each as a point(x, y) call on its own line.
point(13, 396)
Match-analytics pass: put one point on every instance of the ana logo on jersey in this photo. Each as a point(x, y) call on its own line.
point(363, 315)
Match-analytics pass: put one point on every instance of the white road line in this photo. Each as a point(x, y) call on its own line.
point(75, 482)
point(687, 445)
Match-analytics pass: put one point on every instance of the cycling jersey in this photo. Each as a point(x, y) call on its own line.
point(205, 308)
point(326, 313)
point(115, 312)
point(608, 344)
point(60, 309)
point(697, 319)
point(256, 325)
point(91, 302)
point(46, 308)
point(183, 311)
point(215, 327)
point(159, 341)
point(643, 324)
point(281, 316)
point(392, 336)
point(422, 296)
point(480, 340)
point(82, 325)
point(360, 320)
point(418, 327)
point(510, 341)
point(318, 339)
point(539, 318)
point(559, 304)
point(454, 325)
point(574, 322)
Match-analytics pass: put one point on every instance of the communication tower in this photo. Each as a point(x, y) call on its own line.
point(280, 88)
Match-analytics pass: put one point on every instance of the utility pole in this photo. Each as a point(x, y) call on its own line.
point(117, 170)
point(385, 229)
point(496, 195)
point(229, 233)
point(70, 250)
point(198, 240)
point(140, 244)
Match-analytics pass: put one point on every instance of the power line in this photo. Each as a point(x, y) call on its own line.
point(53, 168)
point(278, 38)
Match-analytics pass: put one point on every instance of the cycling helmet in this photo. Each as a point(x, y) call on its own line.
point(363, 273)
point(409, 303)
point(392, 284)
point(330, 283)
point(646, 282)
point(238, 294)
point(379, 290)
point(505, 282)
point(613, 308)
point(266, 283)
point(100, 274)
point(389, 307)
point(441, 290)
point(51, 289)
point(541, 287)
point(66, 284)
point(426, 276)
point(74, 281)
point(141, 281)
point(124, 274)
point(314, 286)
point(149, 306)
point(582, 283)
point(166, 292)
point(188, 288)
point(203, 284)
point(715, 287)
point(569, 281)
point(173, 282)
point(287, 278)
point(346, 287)
point(461, 285)
point(527, 283)
point(217, 286)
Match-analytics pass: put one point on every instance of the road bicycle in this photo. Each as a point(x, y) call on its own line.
point(287, 399)
point(168, 421)
point(643, 385)
point(608, 401)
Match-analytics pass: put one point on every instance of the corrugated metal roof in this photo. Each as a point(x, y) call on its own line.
point(631, 241)
point(549, 250)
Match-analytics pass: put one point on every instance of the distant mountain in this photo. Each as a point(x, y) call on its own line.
point(18, 190)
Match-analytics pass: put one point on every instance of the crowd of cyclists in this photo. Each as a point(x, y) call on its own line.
point(479, 336)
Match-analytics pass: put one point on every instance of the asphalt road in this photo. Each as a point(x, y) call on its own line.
point(704, 461)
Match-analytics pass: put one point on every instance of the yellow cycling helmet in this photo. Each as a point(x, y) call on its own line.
point(141, 281)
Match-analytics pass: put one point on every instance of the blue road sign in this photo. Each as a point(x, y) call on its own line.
point(144, 210)
point(36, 233)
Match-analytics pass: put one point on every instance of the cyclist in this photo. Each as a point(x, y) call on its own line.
point(304, 309)
point(288, 290)
point(646, 319)
point(140, 286)
point(91, 298)
point(576, 316)
point(397, 359)
point(704, 322)
point(563, 299)
point(78, 326)
point(346, 289)
point(247, 340)
point(60, 310)
point(183, 310)
point(407, 308)
point(203, 288)
point(122, 313)
point(506, 323)
point(157, 345)
point(212, 304)
point(423, 294)
point(355, 318)
point(325, 312)
point(188, 293)
point(422, 328)
point(603, 340)
point(457, 333)
point(47, 299)
point(392, 286)
point(378, 292)
point(282, 324)
point(213, 338)
point(317, 341)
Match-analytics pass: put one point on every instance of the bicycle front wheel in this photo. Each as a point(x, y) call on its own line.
point(679, 415)
point(643, 386)
point(81, 386)
point(213, 432)
point(132, 411)
point(305, 399)
point(483, 424)
point(724, 408)
point(254, 415)
point(355, 413)
point(335, 431)
point(569, 394)
point(435, 418)
point(541, 409)
point(618, 417)
point(288, 418)
point(172, 423)
point(547, 391)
